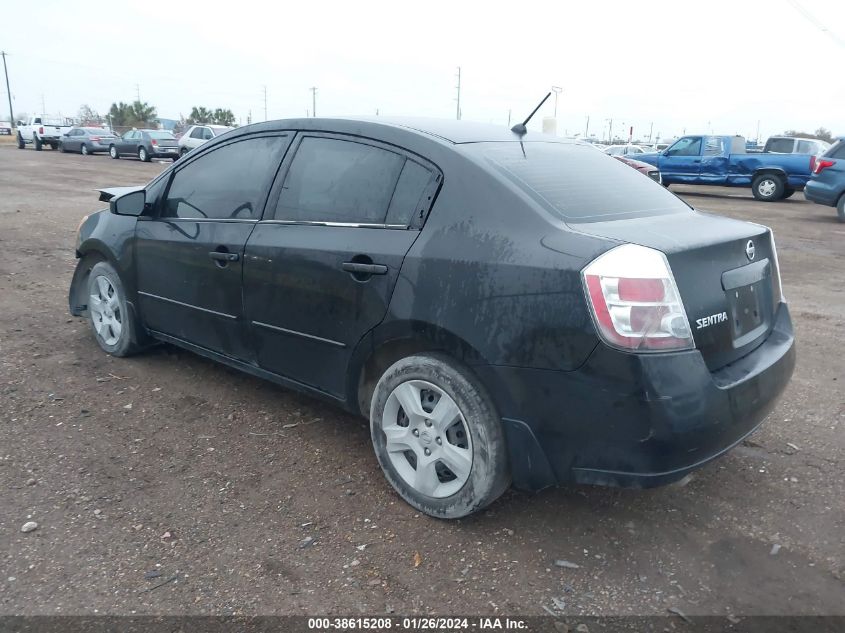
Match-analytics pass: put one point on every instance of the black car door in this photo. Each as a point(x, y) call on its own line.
point(126, 143)
point(190, 251)
point(321, 266)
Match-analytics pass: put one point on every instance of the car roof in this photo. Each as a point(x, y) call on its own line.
point(446, 130)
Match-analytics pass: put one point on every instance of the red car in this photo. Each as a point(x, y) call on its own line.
point(644, 168)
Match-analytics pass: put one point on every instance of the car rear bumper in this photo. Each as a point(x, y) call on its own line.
point(822, 193)
point(636, 420)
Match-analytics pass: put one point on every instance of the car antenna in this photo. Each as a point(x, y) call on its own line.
point(520, 128)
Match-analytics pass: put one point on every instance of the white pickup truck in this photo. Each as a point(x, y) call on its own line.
point(40, 130)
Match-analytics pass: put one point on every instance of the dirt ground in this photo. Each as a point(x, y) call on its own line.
point(167, 484)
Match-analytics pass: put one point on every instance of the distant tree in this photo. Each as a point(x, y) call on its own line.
point(822, 134)
point(224, 117)
point(121, 114)
point(87, 114)
point(143, 113)
point(200, 115)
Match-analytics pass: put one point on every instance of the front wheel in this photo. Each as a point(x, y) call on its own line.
point(111, 321)
point(840, 208)
point(84, 150)
point(113, 152)
point(438, 437)
point(768, 187)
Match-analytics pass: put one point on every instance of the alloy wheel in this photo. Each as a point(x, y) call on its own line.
point(767, 187)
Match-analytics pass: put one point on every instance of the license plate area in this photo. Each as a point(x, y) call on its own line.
point(749, 296)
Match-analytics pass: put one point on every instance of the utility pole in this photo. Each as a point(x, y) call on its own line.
point(314, 101)
point(509, 117)
point(43, 107)
point(138, 92)
point(650, 130)
point(8, 90)
point(610, 132)
point(557, 90)
point(587, 128)
point(458, 111)
point(265, 103)
point(758, 120)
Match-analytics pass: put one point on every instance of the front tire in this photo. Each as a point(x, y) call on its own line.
point(111, 321)
point(768, 187)
point(113, 152)
point(438, 437)
point(143, 154)
point(840, 208)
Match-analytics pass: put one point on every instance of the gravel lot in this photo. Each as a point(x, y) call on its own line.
point(244, 498)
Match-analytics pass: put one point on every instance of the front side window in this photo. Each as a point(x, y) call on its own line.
point(229, 183)
point(333, 180)
point(687, 146)
point(206, 134)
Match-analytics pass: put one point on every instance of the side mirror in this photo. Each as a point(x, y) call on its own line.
point(132, 203)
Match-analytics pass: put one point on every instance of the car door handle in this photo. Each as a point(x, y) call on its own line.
point(364, 269)
point(697, 160)
point(224, 257)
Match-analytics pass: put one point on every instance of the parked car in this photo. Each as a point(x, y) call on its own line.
point(40, 130)
point(644, 168)
point(5, 128)
point(196, 135)
point(145, 144)
point(87, 140)
point(723, 161)
point(471, 291)
point(827, 183)
point(794, 145)
point(624, 150)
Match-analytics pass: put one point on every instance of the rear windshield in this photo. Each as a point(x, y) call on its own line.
point(162, 135)
point(837, 150)
point(578, 183)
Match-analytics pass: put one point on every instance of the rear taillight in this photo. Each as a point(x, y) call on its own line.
point(818, 165)
point(41, 130)
point(635, 301)
point(154, 142)
point(95, 139)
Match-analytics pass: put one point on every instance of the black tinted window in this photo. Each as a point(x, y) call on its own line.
point(227, 183)
point(780, 145)
point(407, 197)
point(332, 180)
point(578, 183)
point(196, 132)
point(837, 151)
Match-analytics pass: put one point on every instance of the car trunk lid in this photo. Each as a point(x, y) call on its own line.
point(726, 273)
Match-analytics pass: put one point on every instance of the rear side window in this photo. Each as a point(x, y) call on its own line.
point(229, 183)
point(836, 151)
point(407, 197)
point(579, 184)
point(780, 145)
point(714, 146)
point(334, 180)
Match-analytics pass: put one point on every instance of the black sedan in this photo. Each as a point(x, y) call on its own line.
point(504, 308)
point(146, 145)
point(87, 140)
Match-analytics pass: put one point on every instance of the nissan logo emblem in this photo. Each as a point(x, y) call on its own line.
point(749, 250)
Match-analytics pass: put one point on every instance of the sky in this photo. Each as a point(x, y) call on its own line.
point(665, 67)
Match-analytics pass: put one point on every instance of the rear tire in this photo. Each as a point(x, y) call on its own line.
point(113, 152)
point(461, 449)
point(143, 154)
point(54, 146)
point(840, 208)
point(21, 144)
point(84, 150)
point(37, 142)
point(768, 187)
point(110, 319)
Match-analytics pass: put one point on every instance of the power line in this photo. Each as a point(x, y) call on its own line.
point(812, 20)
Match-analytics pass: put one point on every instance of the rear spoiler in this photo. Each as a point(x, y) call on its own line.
point(115, 192)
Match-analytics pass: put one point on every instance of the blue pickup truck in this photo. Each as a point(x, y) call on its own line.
point(723, 161)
